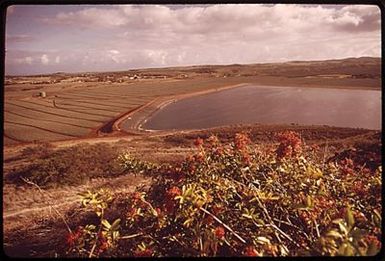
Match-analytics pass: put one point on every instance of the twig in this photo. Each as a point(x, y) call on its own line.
point(294, 226)
point(131, 236)
point(97, 235)
point(226, 226)
point(286, 223)
point(52, 207)
point(324, 156)
point(284, 234)
point(316, 228)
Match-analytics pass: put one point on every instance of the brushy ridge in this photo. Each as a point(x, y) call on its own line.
point(239, 199)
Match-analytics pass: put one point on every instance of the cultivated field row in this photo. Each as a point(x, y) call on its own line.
point(78, 109)
point(78, 112)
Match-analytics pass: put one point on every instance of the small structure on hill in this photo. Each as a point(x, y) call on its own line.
point(42, 94)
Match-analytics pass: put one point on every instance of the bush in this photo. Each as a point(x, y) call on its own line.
point(70, 166)
point(239, 199)
point(39, 150)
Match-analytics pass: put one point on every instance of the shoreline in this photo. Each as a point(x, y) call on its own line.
point(141, 113)
point(160, 102)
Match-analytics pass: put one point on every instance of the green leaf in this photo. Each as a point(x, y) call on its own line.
point(337, 221)
point(106, 224)
point(115, 225)
point(260, 221)
point(309, 201)
point(263, 240)
point(377, 218)
point(333, 233)
point(349, 218)
point(115, 235)
point(349, 250)
point(342, 249)
point(247, 216)
point(343, 228)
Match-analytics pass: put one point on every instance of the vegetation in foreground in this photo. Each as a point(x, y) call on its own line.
point(239, 199)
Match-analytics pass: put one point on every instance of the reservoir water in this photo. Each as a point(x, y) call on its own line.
point(272, 105)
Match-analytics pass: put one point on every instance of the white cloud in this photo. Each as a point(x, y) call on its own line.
point(114, 51)
point(28, 60)
point(44, 59)
point(25, 60)
point(221, 18)
point(127, 36)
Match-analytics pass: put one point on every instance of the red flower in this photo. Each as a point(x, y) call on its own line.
point(241, 140)
point(217, 209)
point(246, 158)
point(341, 213)
point(192, 168)
point(213, 140)
point(369, 239)
point(143, 253)
point(250, 251)
point(219, 151)
point(173, 192)
point(290, 144)
point(219, 232)
point(305, 217)
point(198, 142)
point(359, 189)
point(208, 220)
point(136, 197)
point(71, 239)
point(170, 196)
point(74, 236)
point(103, 244)
point(199, 157)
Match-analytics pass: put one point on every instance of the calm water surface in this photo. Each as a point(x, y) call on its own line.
point(271, 105)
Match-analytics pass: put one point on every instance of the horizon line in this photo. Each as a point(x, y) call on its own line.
point(183, 66)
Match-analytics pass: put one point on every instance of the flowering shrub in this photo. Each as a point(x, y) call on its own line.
point(241, 199)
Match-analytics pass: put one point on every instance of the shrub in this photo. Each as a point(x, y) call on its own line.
point(69, 166)
point(240, 199)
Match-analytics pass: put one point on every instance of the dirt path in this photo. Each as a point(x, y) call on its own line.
point(30, 200)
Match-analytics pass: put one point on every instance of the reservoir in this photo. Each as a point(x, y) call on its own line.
point(272, 105)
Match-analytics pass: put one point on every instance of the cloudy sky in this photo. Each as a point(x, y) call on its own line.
point(46, 39)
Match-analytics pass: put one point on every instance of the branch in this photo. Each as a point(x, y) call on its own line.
point(226, 226)
point(97, 235)
point(52, 206)
point(284, 234)
point(131, 236)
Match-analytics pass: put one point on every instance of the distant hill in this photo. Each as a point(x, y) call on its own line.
point(369, 67)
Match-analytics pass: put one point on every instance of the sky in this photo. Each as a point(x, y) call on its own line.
point(90, 38)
